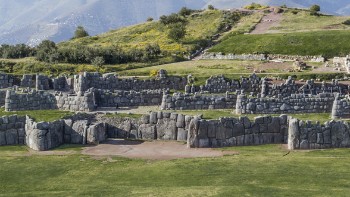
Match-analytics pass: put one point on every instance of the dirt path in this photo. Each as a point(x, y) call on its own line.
point(268, 21)
point(155, 150)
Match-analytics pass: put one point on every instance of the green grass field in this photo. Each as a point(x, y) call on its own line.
point(39, 115)
point(326, 43)
point(303, 21)
point(256, 171)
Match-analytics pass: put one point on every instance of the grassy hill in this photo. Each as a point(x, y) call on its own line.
point(201, 25)
point(297, 34)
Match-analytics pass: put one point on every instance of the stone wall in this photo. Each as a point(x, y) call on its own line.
point(341, 107)
point(237, 131)
point(296, 103)
point(6, 80)
point(164, 126)
point(47, 135)
point(308, 135)
point(73, 102)
point(106, 98)
point(221, 56)
point(35, 100)
point(2, 97)
point(43, 82)
point(179, 101)
point(28, 81)
point(112, 82)
point(63, 83)
point(261, 57)
point(12, 130)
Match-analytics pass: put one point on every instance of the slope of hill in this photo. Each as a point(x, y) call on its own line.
point(340, 7)
point(297, 34)
point(201, 26)
point(32, 21)
point(23, 21)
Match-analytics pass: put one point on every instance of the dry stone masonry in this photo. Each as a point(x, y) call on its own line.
point(296, 103)
point(308, 135)
point(237, 131)
point(179, 101)
point(12, 130)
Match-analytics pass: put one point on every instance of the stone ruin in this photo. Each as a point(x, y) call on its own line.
point(197, 132)
point(248, 95)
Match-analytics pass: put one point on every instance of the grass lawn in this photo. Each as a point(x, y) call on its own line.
point(303, 21)
point(256, 171)
point(39, 115)
point(327, 43)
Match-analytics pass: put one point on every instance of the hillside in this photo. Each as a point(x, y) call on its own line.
point(301, 33)
point(201, 26)
point(32, 21)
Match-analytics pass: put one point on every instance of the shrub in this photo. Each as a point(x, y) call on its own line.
point(177, 31)
point(80, 32)
point(315, 8)
point(255, 6)
point(149, 19)
point(185, 11)
point(211, 7)
point(295, 12)
point(153, 73)
point(172, 19)
point(347, 22)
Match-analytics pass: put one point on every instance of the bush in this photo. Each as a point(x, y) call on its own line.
point(295, 12)
point(172, 19)
point(255, 6)
point(153, 73)
point(347, 22)
point(177, 31)
point(80, 32)
point(149, 19)
point(315, 8)
point(211, 7)
point(185, 11)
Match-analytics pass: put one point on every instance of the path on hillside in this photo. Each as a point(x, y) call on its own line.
point(155, 150)
point(267, 22)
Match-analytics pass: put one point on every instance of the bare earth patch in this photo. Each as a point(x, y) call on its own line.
point(154, 150)
point(267, 22)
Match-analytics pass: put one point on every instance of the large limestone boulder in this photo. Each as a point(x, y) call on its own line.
point(96, 133)
point(147, 132)
point(192, 138)
point(293, 134)
point(79, 132)
point(166, 129)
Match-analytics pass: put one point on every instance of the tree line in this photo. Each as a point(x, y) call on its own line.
point(48, 51)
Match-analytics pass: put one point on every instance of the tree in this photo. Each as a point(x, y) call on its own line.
point(152, 50)
point(80, 32)
point(149, 19)
point(211, 7)
point(171, 19)
point(315, 9)
point(46, 51)
point(98, 61)
point(185, 11)
point(177, 31)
